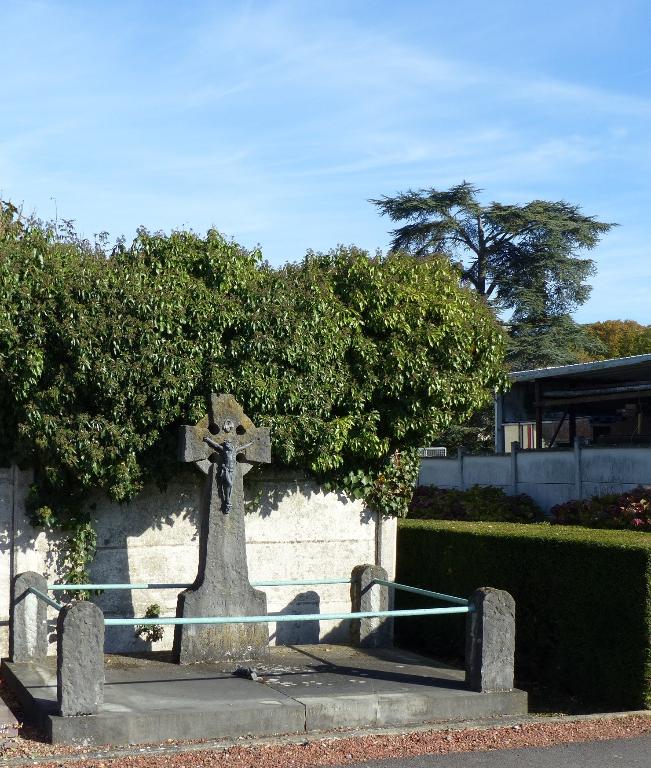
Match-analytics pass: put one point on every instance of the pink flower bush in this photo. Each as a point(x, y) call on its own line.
point(631, 510)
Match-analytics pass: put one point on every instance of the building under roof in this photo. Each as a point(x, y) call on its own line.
point(606, 402)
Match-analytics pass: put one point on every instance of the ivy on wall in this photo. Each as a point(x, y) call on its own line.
point(353, 361)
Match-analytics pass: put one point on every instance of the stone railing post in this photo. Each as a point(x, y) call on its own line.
point(28, 622)
point(490, 641)
point(80, 659)
point(375, 632)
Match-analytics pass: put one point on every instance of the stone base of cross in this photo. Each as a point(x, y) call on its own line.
point(224, 445)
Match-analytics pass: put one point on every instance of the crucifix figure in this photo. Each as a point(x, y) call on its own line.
point(228, 468)
point(223, 445)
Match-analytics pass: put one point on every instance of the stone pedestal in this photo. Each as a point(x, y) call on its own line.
point(490, 641)
point(28, 630)
point(372, 632)
point(80, 659)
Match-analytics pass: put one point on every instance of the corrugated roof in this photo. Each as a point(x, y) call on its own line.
point(581, 368)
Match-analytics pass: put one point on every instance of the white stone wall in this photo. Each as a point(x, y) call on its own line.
point(294, 530)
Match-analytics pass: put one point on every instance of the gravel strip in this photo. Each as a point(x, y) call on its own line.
point(333, 749)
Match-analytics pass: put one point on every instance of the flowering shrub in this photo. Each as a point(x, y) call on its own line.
point(629, 510)
point(485, 503)
point(480, 503)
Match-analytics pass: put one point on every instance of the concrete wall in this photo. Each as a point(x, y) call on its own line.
point(549, 476)
point(466, 471)
point(293, 530)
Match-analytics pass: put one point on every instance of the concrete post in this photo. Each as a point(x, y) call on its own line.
point(499, 426)
point(490, 641)
point(515, 446)
point(80, 659)
point(373, 632)
point(28, 619)
point(578, 484)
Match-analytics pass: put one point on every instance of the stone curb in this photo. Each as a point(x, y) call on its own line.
point(154, 750)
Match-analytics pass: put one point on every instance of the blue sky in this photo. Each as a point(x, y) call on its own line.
point(275, 122)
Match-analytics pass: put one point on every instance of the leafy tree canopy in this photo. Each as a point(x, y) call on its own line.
point(621, 338)
point(543, 340)
point(352, 360)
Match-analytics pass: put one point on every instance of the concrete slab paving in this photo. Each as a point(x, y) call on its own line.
point(300, 689)
point(354, 688)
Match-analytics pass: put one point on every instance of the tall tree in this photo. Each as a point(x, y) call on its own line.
point(505, 251)
point(537, 341)
point(519, 258)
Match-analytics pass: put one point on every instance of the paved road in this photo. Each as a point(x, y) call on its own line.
point(627, 753)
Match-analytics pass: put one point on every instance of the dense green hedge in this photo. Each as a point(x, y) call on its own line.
point(583, 600)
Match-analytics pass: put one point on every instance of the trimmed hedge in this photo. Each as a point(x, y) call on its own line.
point(583, 600)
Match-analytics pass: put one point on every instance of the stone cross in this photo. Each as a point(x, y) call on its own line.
point(223, 444)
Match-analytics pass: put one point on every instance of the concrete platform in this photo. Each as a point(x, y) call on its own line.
point(302, 688)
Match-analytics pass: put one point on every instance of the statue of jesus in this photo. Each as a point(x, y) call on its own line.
point(229, 452)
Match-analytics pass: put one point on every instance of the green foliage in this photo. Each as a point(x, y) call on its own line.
point(521, 258)
point(150, 633)
point(508, 252)
point(621, 338)
point(485, 503)
point(388, 491)
point(475, 435)
point(79, 551)
point(583, 600)
point(538, 339)
point(347, 357)
point(481, 502)
point(631, 510)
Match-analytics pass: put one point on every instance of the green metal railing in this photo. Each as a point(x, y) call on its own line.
point(274, 617)
point(276, 583)
point(419, 591)
point(45, 598)
point(460, 604)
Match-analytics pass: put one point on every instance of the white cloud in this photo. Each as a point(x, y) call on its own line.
point(590, 100)
point(277, 123)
